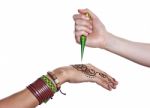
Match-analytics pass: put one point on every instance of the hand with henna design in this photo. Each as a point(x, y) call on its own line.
point(73, 74)
point(86, 73)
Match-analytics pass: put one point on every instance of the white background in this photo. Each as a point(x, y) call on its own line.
point(37, 36)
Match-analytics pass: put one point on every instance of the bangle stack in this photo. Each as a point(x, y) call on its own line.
point(44, 88)
point(54, 78)
point(56, 81)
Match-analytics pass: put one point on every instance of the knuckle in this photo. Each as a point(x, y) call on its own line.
point(74, 16)
point(76, 22)
point(82, 17)
point(76, 27)
point(76, 38)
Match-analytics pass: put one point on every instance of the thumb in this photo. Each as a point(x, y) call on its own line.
point(84, 11)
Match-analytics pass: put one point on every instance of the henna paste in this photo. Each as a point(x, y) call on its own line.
point(84, 69)
point(91, 73)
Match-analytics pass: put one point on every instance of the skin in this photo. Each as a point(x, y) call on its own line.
point(72, 74)
point(99, 37)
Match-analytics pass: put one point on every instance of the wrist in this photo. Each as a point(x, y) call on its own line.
point(61, 75)
point(108, 41)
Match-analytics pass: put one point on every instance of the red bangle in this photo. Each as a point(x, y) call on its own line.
point(40, 90)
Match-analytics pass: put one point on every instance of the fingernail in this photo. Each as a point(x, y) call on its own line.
point(114, 86)
point(114, 79)
point(109, 88)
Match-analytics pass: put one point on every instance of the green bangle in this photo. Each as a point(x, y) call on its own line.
point(49, 83)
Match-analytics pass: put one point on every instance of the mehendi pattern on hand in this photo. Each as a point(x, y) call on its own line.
point(89, 72)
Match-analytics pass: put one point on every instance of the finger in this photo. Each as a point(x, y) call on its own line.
point(109, 80)
point(82, 28)
point(83, 23)
point(112, 80)
point(112, 85)
point(78, 35)
point(84, 11)
point(77, 39)
point(105, 77)
point(104, 84)
point(80, 16)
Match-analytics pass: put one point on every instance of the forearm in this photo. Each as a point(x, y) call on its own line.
point(134, 51)
point(24, 98)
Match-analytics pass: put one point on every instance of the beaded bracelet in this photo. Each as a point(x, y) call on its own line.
point(54, 78)
point(56, 81)
point(52, 81)
point(49, 83)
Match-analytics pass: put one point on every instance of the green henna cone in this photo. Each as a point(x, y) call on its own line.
point(82, 42)
point(83, 39)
